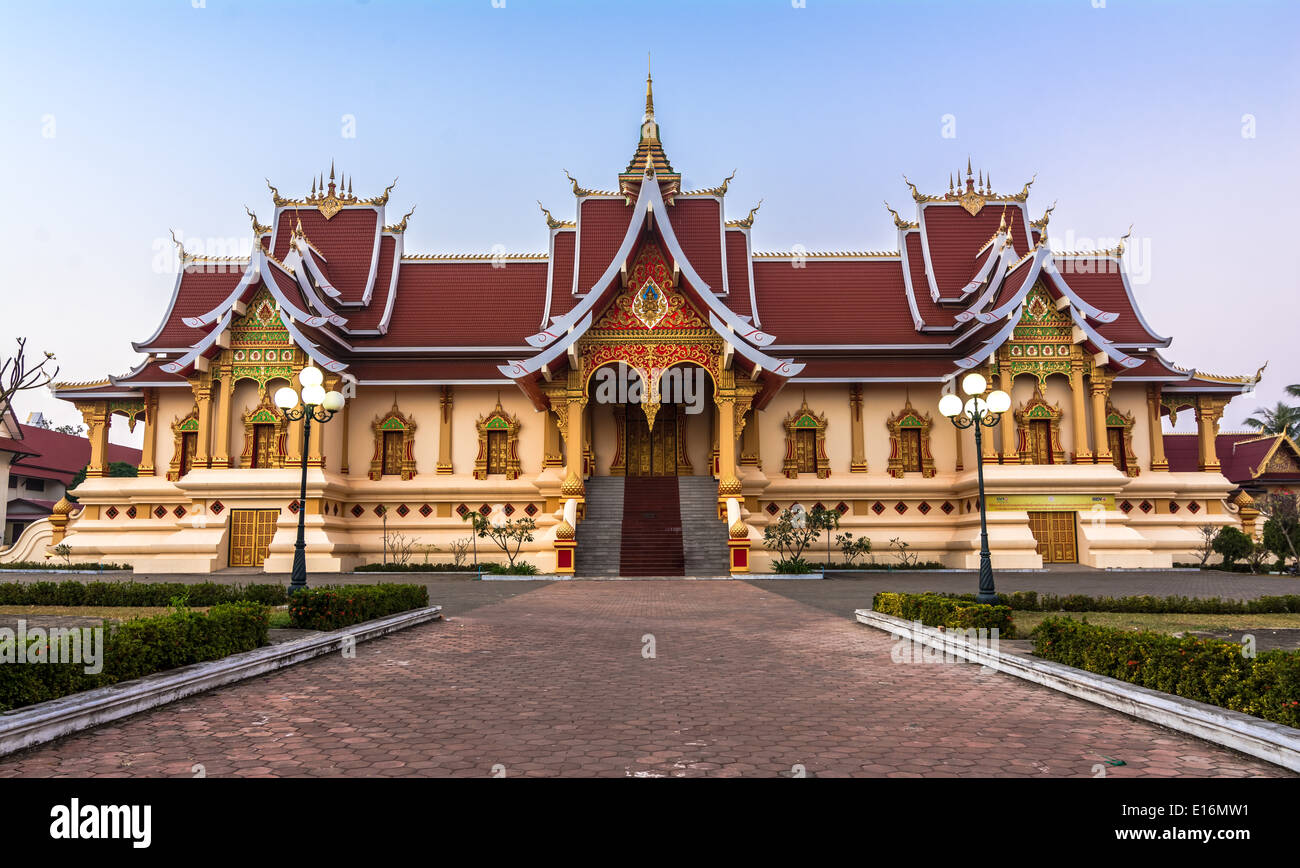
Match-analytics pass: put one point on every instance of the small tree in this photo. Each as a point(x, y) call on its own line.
point(16, 376)
point(509, 535)
point(827, 520)
point(64, 551)
point(851, 548)
point(460, 550)
point(428, 549)
point(906, 559)
point(789, 535)
point(1232, 545)
point(1282, 526)
point(1206, 546)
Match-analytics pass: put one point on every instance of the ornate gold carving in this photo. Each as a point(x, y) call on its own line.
point(798, 458)
point(498, 423)
point(1116, 418)
point(899, 221)
point(908, 419)
point(394, 421)
point(265, 413)
point(746, 222)
point(400, 226)
point(552, 223)
point(332, 198)
point(1036, 409)
point(188, 424)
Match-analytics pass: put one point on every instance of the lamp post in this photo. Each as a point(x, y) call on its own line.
point(979, 413)
point(321, 406)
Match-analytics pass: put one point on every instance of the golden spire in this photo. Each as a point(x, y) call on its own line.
point(649, 91)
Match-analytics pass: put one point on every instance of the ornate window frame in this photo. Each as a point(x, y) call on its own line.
point(909, 417)
point(803, 419)
point(393, 420)
point(180, 427)
point(1116, 418)
point(1036, 409)
point(498, 420)
point(265, 413)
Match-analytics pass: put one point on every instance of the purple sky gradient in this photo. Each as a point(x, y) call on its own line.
point(119, 125)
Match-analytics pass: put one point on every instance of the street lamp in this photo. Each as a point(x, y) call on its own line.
point(316, 404)
point(979, 413)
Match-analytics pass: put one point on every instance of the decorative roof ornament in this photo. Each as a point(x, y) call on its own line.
point(746, 222)
point(899, 221)
point(400, 226)
point(974, 194)
point(720, 190)
point(552, 223)
point(258, 228)
point(180, 248)
point(1041, 223)
point(580, 191)
point(332, 198)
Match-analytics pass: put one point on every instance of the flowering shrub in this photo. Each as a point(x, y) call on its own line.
point(1206, 670)
point(334, 607)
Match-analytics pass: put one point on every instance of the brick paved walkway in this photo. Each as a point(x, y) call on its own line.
point(553, 682)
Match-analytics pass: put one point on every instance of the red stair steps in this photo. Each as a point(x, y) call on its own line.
point(652, 528)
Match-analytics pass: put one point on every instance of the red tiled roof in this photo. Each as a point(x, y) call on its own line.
point(346, 240)
point(697, 223)
point(443, 304)
point(60, 456)
point(737, 273)
point(562, 297)
point(954, 238)
point(428, 369)
point(200, 291)
point(1239, 454)
point(1098, 282)
point(602, 224)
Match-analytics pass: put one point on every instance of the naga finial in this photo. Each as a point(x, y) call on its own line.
point(916, 194)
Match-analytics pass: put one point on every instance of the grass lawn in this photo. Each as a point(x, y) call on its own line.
point(1164, 623)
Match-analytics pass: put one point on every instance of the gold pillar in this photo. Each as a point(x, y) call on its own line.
point(552, 456)
point(202, 388)
point(221, 449)
point(150, 446)
point(858, 461)
point(1208, 412)
point(1079, 413)
point(958, 464)
point(343, 445)
point(1100, 389)
point(95, 415)
point(444, 431)
point(1010, 451)
point(1158, 460)
point(728, 484)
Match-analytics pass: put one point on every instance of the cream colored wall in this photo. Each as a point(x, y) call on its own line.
point(1133, 399)
point(173, 405)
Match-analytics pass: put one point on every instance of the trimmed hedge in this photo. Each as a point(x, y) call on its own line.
point(335, 607)
point(27, 566)
point(1032, 601)
point(72, 593)
point(134, 649)
point(939, 610)
point(417, 568)
point(1206, 670)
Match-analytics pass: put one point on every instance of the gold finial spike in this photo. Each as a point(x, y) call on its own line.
point(331, 170)
point(950, 182)
point(349, 186)
point(968, 172)
point(649, 91)
point(1002, 224)
point(988, 184)
point(313, 186)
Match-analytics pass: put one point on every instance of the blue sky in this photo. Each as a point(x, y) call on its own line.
point(119, 124)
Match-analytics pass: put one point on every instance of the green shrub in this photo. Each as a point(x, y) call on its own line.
point(137, 648)
point(940, 610)
point(1232, 545)
point(418, 568)
point(28, 566)
point(1206, 670)
point(338, 606)
point(73, 593)
point(1032, 601)
point(522, 568)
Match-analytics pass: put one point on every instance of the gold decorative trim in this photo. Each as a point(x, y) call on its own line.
point(498, 420)
point(746, 222)
point(393, 420)
point(909, 418)
point(332, 198)
point(400, 226)
point(804, 419)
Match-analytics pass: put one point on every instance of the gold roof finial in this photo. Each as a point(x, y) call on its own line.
point(950, 182)
point(258, 228)
point(1041, 223)
point(180, 246)
point(649, 91)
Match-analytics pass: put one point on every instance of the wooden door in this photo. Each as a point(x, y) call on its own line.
point(651, 452)
point(498, 444)
point(394, 452)
point(189, 445)
point(1115, 442)
point(805, 450)
point(263, 445)
point(910, 443)
point(251, 532)
point(1040, 441)
point(1055, 535)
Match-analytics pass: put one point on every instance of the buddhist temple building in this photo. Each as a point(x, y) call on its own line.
point(652, 391)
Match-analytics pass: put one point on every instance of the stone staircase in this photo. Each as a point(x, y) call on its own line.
point(600, 534)
point(704, 535)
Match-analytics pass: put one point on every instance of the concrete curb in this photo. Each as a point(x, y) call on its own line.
point(1262, 739)
point(46, 721)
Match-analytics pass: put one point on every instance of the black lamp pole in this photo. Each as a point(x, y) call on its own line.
point(307, 413)
point(979, 421)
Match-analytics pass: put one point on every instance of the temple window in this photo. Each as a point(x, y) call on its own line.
point(265, 436)
point(185, 432)
point(498, 445)
point(263, 445)
point(394, 445)
point(909, 443)
point(1038, 424)
point(1119, 437)
point(805, 444)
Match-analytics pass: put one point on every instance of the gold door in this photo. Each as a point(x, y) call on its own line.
point(1115, 442)
point(251, 532)
point(189, 444)
point(394, 449)
point(910, 442)
point(1040, 441)
point(805, 450)
point(651, 452)
point(498, 443)
point(263, 445)
point(1055, 535)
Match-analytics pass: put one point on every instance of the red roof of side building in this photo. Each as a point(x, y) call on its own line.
point(1240, 455)
point(60, 456)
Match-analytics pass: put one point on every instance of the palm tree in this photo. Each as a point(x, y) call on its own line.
point(1281, 419)
point(1293, 390)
